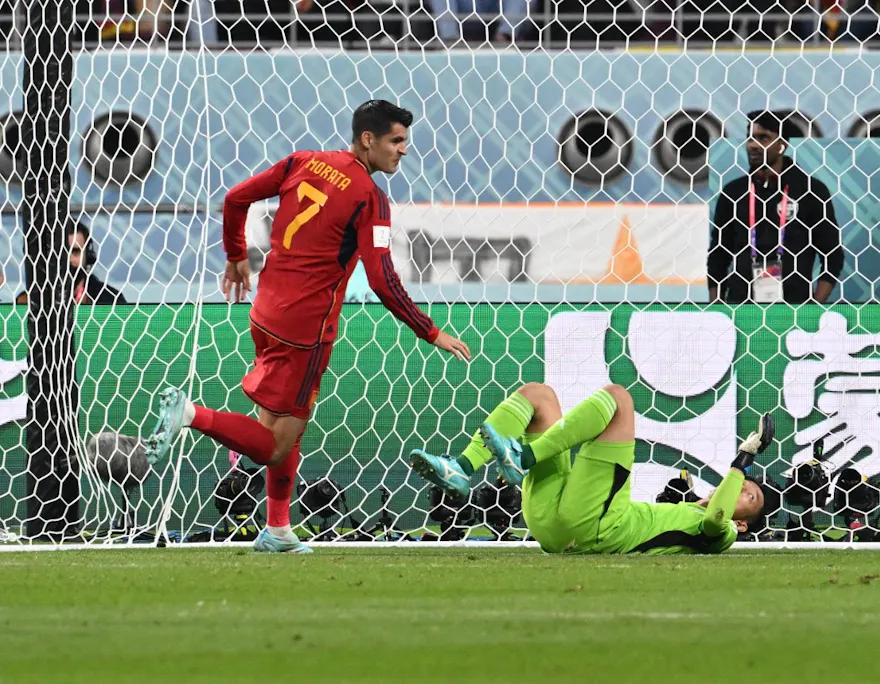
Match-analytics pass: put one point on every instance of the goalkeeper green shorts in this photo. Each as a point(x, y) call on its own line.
point(580, 507)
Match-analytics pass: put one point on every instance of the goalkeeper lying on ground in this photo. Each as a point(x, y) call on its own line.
point(586, 507)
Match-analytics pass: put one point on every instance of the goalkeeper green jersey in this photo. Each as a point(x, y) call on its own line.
point(587, 508)
point(668, 528)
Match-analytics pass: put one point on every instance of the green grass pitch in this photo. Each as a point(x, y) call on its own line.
point(438, 615)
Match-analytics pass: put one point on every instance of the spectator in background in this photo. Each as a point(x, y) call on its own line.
point(769, 227)
point(125, 20)
point(202, 27)
point(115, 19)
point(155, 19)
point(833, 20)
point(458, 19)
point(87, 288)
point(863, 20)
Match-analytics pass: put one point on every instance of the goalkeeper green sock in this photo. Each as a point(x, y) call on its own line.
point(527, 460)
point(584, 422)
point(509, 418)
point(530, 437)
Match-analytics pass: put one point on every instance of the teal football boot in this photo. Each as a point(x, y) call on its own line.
point(507, 452)
point(269, 543)
point(442, 471)
point(172, 408)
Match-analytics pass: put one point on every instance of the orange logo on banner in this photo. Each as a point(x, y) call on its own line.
point(625, 266)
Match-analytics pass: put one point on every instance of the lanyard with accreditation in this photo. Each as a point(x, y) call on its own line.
point(766, 273)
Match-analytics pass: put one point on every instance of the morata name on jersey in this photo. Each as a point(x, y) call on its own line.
point(328, 173)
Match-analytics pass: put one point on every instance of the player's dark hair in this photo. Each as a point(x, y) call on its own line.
point(377, 117)
point(766, 119)
point(772, 503)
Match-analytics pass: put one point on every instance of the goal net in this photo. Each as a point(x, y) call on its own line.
point(554, 211)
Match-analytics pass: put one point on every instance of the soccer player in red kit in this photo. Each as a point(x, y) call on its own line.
point(331, 212)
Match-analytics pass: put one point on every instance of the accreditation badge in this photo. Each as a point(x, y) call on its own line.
point(767, 283)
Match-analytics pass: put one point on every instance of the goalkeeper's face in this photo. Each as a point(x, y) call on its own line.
point(384, 153)
point(749, 505)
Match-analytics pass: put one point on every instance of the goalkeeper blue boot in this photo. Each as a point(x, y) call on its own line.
point(172, 410)
point(266, 542)
point(442, 471)
point(507, 452)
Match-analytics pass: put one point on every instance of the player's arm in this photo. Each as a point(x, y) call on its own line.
point(239, 199)
point(721, 507)
point(374, 245)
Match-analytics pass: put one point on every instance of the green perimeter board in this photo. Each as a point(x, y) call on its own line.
point(385, 392)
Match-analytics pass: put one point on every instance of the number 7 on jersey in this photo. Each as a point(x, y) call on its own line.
point(308, 190)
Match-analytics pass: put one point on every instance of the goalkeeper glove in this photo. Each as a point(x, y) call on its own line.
point(755, 443)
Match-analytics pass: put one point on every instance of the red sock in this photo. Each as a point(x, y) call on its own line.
point(237, 432)
point(279, 488)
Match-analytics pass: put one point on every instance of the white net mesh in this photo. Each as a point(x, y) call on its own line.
point(554, 211)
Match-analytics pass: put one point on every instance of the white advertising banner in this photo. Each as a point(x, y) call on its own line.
point(546, 243)
point(570, 243)
point(680, 355)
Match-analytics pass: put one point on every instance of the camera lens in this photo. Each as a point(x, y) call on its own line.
point(807, 475)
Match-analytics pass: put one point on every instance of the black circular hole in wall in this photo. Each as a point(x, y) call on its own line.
point(595, 146)
point(681, 145)
point(866, 125)
point(120, 148)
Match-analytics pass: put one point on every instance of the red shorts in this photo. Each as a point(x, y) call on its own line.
point(285, 379)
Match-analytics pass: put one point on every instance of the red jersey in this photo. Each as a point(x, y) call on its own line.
point(331, 212)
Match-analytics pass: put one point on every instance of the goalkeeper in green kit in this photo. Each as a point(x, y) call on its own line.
point(585, 507)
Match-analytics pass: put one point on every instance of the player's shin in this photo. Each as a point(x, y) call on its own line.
point(237, 432)
point(584, 422)
point(279, 489)
point(509, 418)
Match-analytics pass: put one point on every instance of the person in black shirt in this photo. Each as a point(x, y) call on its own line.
point(87, 287)
point(769, 227)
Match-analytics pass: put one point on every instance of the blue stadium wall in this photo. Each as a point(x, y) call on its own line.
point(487, 126)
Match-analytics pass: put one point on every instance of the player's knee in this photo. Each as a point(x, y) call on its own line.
point(622, 426)
point(286, 432)
point(622, 398)
point(539, 395)
point(277, 458)
point(282, 449)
